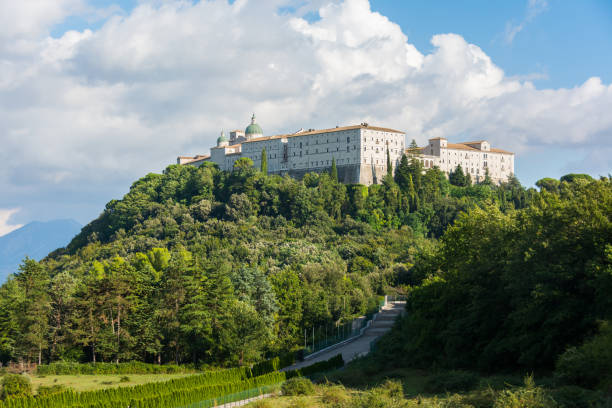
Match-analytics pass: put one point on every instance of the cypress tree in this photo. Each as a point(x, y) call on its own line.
point(264, 161)
point(334, 170)
point(402, 172)
point(389, 165)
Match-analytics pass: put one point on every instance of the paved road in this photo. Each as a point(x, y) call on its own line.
point(361, 345)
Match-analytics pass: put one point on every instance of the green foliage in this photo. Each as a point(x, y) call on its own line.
point(590, 364)
point(388, 395)
point(133, 367)
point(46, 390)
point(190, 260)
point(451, 381)
point(513, 289)
point(264, 161)
point(15, 386)
point(458, 178)
point(297, 386)
point(571, 396)
point(334, 170)
point(529, 396)
point(573, 178)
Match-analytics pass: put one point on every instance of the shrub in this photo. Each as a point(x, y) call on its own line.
point(44, 390)
point(572, 396)
point(589, 365)
point(336, 395)
point(124, 379)
point(14, 385)
point(298, 386)
point(262, 403)
point(527, 396)
point(451, 381)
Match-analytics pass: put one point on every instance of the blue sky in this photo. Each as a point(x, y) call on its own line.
point(95, 94)
point(567, 42)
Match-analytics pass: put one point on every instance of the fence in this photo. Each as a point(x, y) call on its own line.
point(316, 339)
point(238, 396)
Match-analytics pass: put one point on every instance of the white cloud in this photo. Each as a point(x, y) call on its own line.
point(534, 7)
point(101, 108)
point(5, 225)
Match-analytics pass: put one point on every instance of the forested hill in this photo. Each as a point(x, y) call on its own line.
point(201, 266)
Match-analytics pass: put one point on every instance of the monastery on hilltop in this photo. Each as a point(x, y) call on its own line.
point(360, 152)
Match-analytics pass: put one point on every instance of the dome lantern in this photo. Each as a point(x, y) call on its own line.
point(222, 140)
point(253, 130)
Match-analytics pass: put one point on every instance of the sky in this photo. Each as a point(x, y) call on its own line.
point(95, 94)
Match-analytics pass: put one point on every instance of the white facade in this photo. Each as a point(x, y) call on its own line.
point(360, 152)
point(473, 157)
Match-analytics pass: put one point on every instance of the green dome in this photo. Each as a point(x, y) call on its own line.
point(253, 128)
point(221, 138)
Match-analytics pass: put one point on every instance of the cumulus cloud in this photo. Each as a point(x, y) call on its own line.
point(103, 107)
point(5, 225)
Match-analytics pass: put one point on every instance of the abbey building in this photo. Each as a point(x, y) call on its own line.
point(360, 152)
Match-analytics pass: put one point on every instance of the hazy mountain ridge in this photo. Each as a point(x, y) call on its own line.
point(35, 240)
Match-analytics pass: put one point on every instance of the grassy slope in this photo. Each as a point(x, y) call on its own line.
point(96, 382)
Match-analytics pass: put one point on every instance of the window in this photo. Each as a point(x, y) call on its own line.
point(348, 148)
point(300, 145)
point(348, 140)
point(485, 164)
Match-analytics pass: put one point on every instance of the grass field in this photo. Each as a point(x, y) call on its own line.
point(96, 382)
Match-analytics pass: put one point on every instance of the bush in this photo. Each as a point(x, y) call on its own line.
point(589, 365)
point(134, 367)
point(14, 385)
point(572, 396)
point(451, 381)
point(528, 396)
point(388, 395)
point(124, 379)
point(298, 386)
point(335, 395)
point(44, 390)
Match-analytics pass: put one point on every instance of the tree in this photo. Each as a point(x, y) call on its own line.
point(402, 173)
point(242, 164)
point(389, 165)
point(246, 333)
point(457, 177)
point(334, 170)
point(413, 146)
point(33, 279)
point(264, 161)
point(487, 179)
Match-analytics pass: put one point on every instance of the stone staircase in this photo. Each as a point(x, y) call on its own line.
point(385, 319)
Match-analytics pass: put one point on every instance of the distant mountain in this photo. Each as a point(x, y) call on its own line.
point(35, 240)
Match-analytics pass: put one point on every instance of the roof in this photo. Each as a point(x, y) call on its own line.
point(330, 130)
point(253, 129)
point(198, 157)
point(475, 142)
point(461, 146)
point(464, 146)
point(500, 151)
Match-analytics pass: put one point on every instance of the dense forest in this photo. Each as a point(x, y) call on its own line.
point(201, 266)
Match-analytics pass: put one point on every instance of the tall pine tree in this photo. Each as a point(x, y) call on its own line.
point(389, 165)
